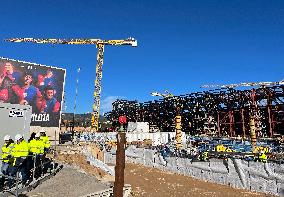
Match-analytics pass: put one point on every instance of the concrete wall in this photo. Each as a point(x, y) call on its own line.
point(138, 127)
point(12, 123)
point(254, 176)
point(157, 138)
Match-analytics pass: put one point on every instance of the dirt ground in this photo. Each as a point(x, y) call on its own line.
point(77, 178)
point(151, 182)
point(81, 162)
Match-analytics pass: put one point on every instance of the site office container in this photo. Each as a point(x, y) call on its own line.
point(14, 119)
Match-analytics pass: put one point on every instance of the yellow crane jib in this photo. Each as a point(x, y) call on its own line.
point(100, 57)
point(128, 41)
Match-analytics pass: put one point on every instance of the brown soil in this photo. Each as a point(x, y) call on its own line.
point(151, 182)
point(81, 162)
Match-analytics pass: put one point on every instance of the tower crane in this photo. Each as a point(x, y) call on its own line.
point(100, 57)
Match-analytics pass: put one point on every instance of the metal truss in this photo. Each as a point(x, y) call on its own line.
point(219, 112)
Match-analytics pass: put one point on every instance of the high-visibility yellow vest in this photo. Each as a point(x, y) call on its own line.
point(204, 156)
point(36, 146)
point(6, 151)
point(263, 157)
point(45, 141)
point(20, 150)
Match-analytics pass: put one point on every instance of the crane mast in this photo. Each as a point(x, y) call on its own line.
point(100, 57)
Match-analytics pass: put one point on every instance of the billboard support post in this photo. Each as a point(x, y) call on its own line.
point(75, 100)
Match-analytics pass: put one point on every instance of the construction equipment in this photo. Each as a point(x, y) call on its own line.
point(220, 148)
point(100, 57)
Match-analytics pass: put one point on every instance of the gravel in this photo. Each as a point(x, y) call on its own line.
point(68, 182)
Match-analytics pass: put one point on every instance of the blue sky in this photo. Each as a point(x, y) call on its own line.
point(182, 44)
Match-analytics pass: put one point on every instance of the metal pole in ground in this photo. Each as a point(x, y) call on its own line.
point(17, 184)
point(34, 166)
point(75, 101)
point(120, 164)
point(55, 143)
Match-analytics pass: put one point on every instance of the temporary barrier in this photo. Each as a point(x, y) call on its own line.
point(254, 176)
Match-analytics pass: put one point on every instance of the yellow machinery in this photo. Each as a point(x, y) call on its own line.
point(100, 57)
point(111, 143)
point(258, 149)
point(221, 148)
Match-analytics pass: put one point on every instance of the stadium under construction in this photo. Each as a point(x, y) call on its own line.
point(226, 111)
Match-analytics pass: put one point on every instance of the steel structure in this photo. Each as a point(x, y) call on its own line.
point(178, 128)
point(100, 56)
point(218, 112)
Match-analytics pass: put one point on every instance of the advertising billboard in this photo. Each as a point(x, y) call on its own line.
point(39, 86)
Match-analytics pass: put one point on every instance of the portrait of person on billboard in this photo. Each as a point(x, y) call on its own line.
point(36, 85)
point(8, 78)
point(26, 91)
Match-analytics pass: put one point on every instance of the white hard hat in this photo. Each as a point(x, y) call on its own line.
point(7, 137)
point(18, 136)
point(37, 135)
point(42, 131)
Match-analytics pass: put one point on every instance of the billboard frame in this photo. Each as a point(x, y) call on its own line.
point(42, 65)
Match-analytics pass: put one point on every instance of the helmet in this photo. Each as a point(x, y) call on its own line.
point(42, 131)
point(18, 136)
point(37, 135)
point(7, 137)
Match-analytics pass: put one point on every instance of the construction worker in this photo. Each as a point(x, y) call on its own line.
point(37, 150)
point(262, 157)
point(204, 156)
point(46, 143)
point(20, 153)
point(6, 157)
point(6, 154)
point(45, 140)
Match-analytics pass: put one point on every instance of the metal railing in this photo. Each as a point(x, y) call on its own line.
point(14, 180)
